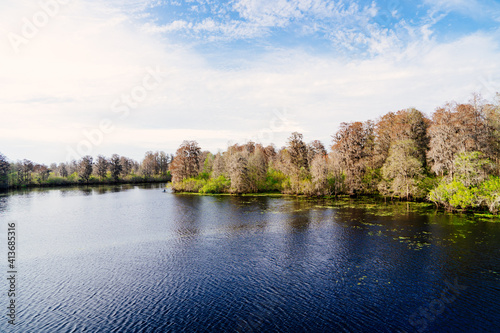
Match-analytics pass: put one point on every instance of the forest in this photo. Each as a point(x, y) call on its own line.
point(102, 170)
point(450, 158)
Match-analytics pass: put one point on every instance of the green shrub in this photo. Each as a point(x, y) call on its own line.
point(490, 194)
point(216, 185)
point(274, 181)
point(455, 195)
point(53, 180)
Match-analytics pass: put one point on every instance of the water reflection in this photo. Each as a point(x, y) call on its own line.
point(298, 215)
point(4, 202)
point(187, 214)
point(135, 259)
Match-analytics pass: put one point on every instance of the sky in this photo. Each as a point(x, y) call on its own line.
point(103, 77)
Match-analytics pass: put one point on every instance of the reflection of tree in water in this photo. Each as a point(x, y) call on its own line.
point(4, 202)
point(116, 188)
point(86, 190)
point(64, 192)
point(187, 214)
point(297, 221)
point(298, 218)
point(244, 212)
point(101, 190)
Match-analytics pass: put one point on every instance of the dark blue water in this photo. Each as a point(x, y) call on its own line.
point(131, 259)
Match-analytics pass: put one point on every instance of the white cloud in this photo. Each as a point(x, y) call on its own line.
point(347, 23)
point(270, 13)
point(471, 8)
point(65, 79)
point(170, 27)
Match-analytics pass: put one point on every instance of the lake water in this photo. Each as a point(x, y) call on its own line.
point(135, 259)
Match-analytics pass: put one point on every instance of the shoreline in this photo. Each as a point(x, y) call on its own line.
point(80, 184)
point(367, 202)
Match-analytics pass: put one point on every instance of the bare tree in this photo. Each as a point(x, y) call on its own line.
point(115, 167)
point(257, 169)
point(402, 170)
point(350, 144)
point(186, 162)
point(314, 149)
point(72, 167)
point(163, 161)
point(238, 173)
point(319, 174)
point(297, 150)
point(270, 152)
point(24, 172)
point(85, 168)
point(408, 124)
point(101, 167)
point(149, 165)
point(219, 166)
point(62, 170)
point(4, 172)
point(42, 172)
point(458, 128)
point(126, 164)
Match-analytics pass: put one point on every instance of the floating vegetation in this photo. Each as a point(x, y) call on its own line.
point(487, 217)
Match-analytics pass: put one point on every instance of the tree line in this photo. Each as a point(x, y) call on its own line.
point(450, 158)
point(87, 170)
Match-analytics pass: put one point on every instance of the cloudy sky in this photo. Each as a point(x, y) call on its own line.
point(104, 77)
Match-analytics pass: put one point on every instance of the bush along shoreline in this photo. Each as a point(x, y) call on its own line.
point(450, 159)
point(87, 171)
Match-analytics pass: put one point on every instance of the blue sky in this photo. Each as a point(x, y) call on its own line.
point(104, 77)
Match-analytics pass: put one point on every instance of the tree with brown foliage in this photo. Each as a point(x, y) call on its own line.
point(62, 170)
point(148, 164)
point(257, 169)
point(314, 149)
point(24, 172)
point(186, 162)
point(352, 147)
point(238, 173)
point(219, 166)
point(42, 172)
point(457, 128)
point(407, 124)
point(126, 164)
point(297, 151)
